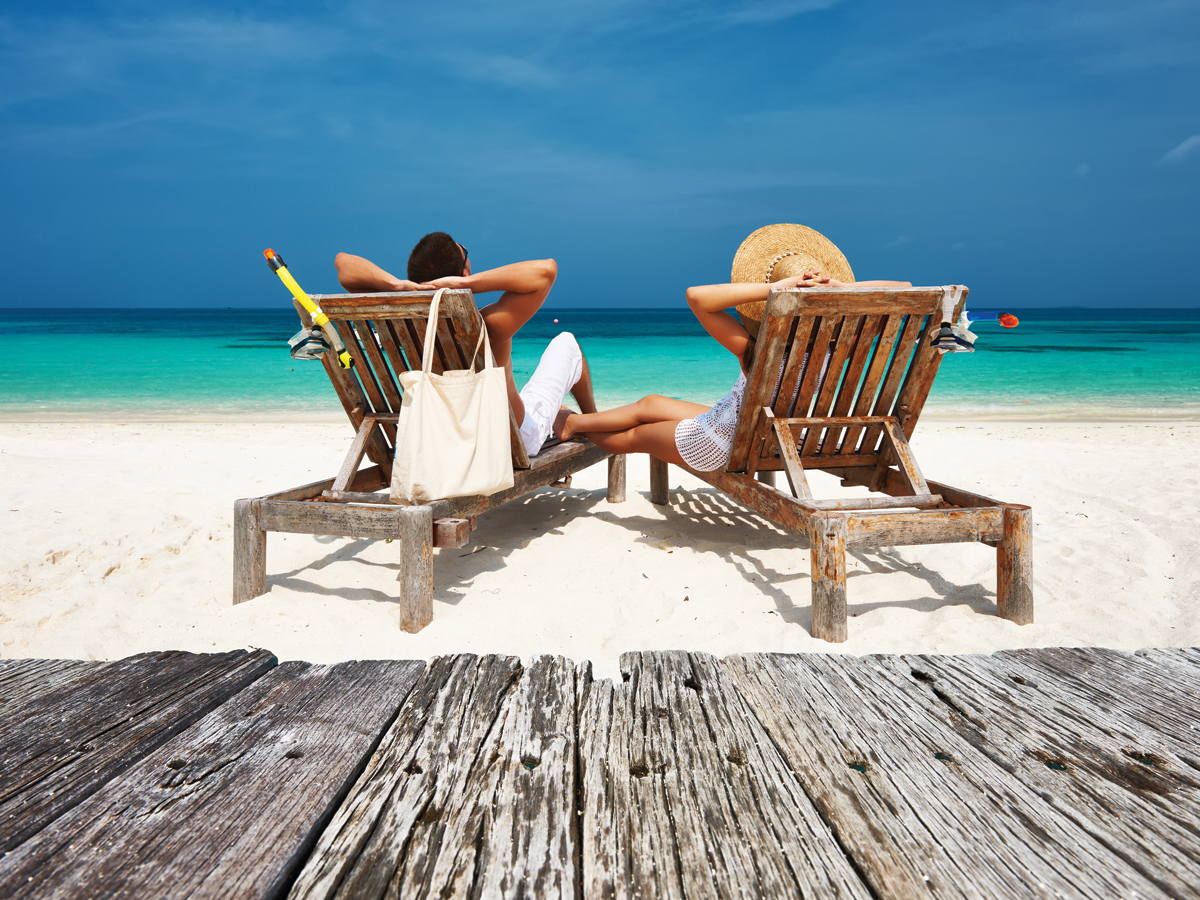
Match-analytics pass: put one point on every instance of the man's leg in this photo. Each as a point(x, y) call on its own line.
point(559, 372)
point(582, 389)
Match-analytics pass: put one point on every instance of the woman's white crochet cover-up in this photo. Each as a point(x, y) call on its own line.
point(704, 441)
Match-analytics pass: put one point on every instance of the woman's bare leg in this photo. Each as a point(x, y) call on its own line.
point(646, 411)
point(655, 438)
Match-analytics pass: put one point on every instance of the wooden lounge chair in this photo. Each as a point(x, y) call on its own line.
point(853, 417)
point(384, 334)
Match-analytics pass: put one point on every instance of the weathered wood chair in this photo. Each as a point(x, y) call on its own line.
point(384, 334)
point(853, 416)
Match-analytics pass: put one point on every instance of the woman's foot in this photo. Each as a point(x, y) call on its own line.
point(562, 426)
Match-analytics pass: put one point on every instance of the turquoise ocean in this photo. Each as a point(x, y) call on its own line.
point(201, 365)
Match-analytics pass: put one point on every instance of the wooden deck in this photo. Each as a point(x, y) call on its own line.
point(1035, 773)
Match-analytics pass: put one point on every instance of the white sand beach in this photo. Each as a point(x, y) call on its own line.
point(117, 540)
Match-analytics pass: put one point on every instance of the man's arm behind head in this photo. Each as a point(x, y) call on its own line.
point(359, 275)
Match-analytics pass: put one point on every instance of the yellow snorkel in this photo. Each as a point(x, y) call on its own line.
point(320, 320)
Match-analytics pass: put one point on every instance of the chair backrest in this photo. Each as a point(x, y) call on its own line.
point(841, 353)
point(385, 336)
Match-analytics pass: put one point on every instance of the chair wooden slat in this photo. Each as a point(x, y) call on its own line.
point(898, 367)
point(363, 367)
point(864, 404)
point(869, 330)
point(845, 341)
point(446, 348)
point(402, 340)
point(384, 377)
point(416, 333)
point(760, 384)
point(391, 351)
point(916, 388)
point(354, 402)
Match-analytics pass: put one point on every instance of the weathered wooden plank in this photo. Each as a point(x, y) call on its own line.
point(415, 581)
point(60, 747)
point(660, 486)
point(790, 457)
point(354, 402)
point(358, 448)
point(392, 305)
point(918, 808)
point(916, 388)
point(1126, 685)
point(451, 533)
point(816, 368)
point(1014, 566)
point(775, 505)
point(827, 538)
point(869, 330)
point(856, 301)
point(249, 552)
point(684, 795)
point(864, 404)
point(928, 526)
point(616, 478)
point(24, 680)
point(846, 340)
point(760, 385)
point(230, 807)
point(897, 371)
point(1118, 783)
point(366, 480)
point(471, 792)
point(295, 517)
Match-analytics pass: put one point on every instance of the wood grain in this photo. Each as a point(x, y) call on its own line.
point(282, 754)
point(471, 792)
point(683, 793)
point(1113, 778)
point(59, 747)
point(918, 808)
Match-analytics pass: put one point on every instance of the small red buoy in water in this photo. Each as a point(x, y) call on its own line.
point(556, 321)
point(1008, 320)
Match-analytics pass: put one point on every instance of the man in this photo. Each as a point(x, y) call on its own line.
point(438, 261)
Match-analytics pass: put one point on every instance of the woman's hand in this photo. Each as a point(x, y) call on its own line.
point(812, 278)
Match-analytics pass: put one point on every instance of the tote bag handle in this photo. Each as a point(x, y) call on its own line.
point(489, 362)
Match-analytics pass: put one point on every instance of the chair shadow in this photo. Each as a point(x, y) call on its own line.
point(709, 514)
point(705, 515)
point(552, 506)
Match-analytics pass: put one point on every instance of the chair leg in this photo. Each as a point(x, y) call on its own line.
point(616, 478)
point(827, 535)
point(416, 567)
point(658, 482)
point(249, 553)
point(1014, 566)
point(765, 476)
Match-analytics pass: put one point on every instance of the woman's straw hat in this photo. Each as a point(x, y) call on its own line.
point(780, 251)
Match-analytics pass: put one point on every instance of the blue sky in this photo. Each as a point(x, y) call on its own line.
point(1044, 153)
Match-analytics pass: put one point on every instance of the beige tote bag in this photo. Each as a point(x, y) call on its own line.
point(452, 439)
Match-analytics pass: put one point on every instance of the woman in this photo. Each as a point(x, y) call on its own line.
point(677, 431)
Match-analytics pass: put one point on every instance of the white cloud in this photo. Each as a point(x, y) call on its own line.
point(1183, 151)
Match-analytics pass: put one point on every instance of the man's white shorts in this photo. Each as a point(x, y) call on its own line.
point(559, 370)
